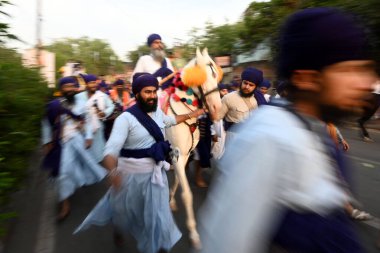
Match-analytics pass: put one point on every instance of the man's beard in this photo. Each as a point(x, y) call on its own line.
point(144, 104)
point(69, 97)
point(91, 90)
point(158, 54)
point(246, 95)
point(119, 92)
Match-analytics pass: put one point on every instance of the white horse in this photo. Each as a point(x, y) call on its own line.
point(202, 75)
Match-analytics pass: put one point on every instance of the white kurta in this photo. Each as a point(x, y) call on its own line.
point(128, 133)
point(141, 205)
point(77, 166)
point(86, 104)
point(273, 163)
point(147, 64)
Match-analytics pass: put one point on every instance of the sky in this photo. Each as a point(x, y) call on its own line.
point(124, 24)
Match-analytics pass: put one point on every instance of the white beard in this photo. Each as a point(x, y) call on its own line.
point(158, 54)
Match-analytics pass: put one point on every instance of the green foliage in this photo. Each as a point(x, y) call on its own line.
point(140, 51)
point(23, 95)
point(262, 20)
point(97, 55)
point(4, 28)
point(222, 40)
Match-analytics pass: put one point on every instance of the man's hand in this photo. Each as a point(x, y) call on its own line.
point(345, 145)
point(88, 143)
point(199, 112)
point(115, 179)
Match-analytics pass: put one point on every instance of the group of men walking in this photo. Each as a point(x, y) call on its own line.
point(282, 181)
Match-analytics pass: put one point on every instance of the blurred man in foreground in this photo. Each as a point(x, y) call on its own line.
point(282, 179)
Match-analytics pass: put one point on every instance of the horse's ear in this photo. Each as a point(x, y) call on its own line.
point(205, 53)
point(199, 58)
point(220, 73)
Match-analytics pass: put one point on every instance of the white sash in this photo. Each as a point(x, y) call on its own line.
point(143, 165)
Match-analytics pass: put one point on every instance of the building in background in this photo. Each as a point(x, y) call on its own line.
point(46, 62)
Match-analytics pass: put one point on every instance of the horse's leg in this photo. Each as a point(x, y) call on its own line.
point(187, 198)
point(173, 190)
point(173, 202)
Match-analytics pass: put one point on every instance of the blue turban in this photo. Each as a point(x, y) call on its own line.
point(222, 86)
point(66, 80)
point(118, 82)
point(143, 80)
point(152, 38)
point(317, 37)
point(90, 78)
point(252, 75)
point(265, 83)
point(103, 84)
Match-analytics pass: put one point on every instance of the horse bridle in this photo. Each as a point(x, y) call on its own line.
point(205, 94)
point(203, 99)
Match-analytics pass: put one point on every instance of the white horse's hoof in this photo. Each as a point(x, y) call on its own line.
point(195, 240)
point(173, 206)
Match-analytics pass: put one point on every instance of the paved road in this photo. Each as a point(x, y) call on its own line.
point(35, 231)
point(366, 173)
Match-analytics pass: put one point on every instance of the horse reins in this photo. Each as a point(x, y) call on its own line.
point(194, 125)
point(205, 94)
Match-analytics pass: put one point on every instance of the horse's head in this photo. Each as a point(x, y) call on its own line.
point(203, 75)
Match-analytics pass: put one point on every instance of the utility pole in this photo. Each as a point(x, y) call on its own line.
point(38, 33)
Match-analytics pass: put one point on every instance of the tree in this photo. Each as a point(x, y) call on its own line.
point(140, 51)
point(97, 55)
point(23, 94)
point(4, 27)
point(262, 20)
point(222, 40)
